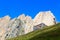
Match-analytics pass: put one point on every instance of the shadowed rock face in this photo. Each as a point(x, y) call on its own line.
point(16, 27)
point(39, 26)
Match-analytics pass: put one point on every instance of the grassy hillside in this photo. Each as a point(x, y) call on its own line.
point(48, 33)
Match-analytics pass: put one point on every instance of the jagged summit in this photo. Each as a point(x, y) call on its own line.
point(22, 16)
point(7, 16)
point(45, 17)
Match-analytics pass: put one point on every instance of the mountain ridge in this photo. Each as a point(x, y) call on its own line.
point(24, 24)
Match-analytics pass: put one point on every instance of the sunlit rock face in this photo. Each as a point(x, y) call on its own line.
point(45, 17)
point(29, 24)
point(27, 20)
point(3, 26)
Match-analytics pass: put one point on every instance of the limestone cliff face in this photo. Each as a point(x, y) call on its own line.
point(45, 17)
point(24, 24)
point(15, 28)
point(3, 26)
point(27, 20)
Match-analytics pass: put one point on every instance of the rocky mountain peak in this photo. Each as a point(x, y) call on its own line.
point(45, 17)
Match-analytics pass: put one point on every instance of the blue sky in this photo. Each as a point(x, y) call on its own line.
point(29, 7)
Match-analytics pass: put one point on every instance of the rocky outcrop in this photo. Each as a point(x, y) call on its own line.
point(39, 26)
